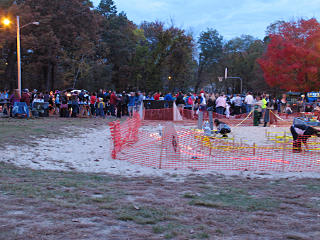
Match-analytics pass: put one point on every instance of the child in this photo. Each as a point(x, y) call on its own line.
point(100, 109)
point(227, 110)
point(222, 128)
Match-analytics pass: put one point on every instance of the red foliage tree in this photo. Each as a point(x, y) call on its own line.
point(292, 59)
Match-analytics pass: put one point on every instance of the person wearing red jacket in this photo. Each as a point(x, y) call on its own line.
point(113, 103)
point(93, 100)
point(156, 96)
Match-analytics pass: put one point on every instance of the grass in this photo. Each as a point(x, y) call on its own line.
point(25, 131)
point(185, 210)
point(74, 188)
point(232, 198)
point(143, 215)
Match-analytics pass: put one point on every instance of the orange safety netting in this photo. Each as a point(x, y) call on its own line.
point(182, 148)
point(124, 133)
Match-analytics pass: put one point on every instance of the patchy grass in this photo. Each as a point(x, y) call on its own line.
point(26, 131)
point(143, 215)
point(232, 198)
point(70, 205)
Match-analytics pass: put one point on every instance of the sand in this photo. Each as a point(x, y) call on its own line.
point(90, 152)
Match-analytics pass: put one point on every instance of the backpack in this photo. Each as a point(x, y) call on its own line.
point(190, 101)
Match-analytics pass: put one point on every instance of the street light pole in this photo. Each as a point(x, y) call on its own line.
point(18, 54)
point(7, 22)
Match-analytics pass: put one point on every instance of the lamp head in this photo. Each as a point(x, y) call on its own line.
point(6, 21)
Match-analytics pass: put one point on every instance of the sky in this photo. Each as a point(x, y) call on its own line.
point(231, 18)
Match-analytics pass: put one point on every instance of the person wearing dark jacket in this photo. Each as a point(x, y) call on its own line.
point(301, 133)
point(124, 103)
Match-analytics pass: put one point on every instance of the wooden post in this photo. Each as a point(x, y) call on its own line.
point(162, 146)
point(283, 155)
point(285, 136)
point(254, 149)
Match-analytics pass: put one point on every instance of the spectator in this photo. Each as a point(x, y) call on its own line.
point(288, 109)
point(179, 100)
point(93, 100)
point(188, 102)
point(118, 105)
point(124, 103)
point(269, 108)
point(25, 97)
point(64, 105)
point(100, 108)
point(14, 97)
point(283, 103)
point(156, 96)
point(211, 103)
point(249, 101)
point(46, 97)
point(203, 102)
point(113, 103)
point(237, 101)
point(131, 104)
point(168, 97)
point(221, 104)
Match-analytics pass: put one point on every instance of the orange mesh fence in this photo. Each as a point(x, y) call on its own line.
point(125, 133)
point(183, 148)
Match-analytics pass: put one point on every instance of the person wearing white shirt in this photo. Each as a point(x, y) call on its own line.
point(249, 101)
point(221, 104)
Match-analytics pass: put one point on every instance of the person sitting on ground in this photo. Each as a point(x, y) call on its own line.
point(301, 133)
point(222, 128)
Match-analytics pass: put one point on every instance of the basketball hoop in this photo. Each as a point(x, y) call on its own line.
point(220, 79)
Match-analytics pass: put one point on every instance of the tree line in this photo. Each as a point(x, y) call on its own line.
point(81, 46)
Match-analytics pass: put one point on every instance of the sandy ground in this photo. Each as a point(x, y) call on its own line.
point(90, 152)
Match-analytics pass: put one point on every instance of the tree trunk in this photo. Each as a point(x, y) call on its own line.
point(199, 78)
point(53, 76)
point(49, 70)
point(10, 72)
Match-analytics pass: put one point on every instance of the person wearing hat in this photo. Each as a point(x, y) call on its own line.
point(301, 133)
point(25, 97)
point(222, 128)
point(100, 108)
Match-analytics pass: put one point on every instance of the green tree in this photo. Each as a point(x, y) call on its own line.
point(61, 49)
point(211, 52)
point(107, 8)
point(240, 55)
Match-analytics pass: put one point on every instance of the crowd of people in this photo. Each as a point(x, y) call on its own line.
point(104, 103)
point(110, 103)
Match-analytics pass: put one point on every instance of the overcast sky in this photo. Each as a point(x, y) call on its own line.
point(231, 18)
